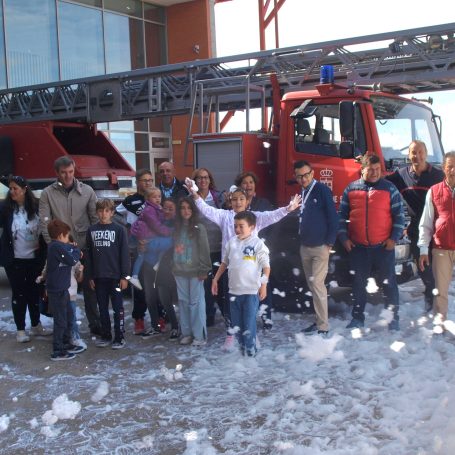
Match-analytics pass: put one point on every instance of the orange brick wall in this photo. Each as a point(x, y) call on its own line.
point(188, 24)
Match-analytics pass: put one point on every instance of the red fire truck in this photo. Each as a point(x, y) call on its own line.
point(328, 120)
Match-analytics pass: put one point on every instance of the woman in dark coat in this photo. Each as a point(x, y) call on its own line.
point(22, 254)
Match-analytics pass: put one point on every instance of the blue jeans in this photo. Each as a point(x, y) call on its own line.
point(191, 307)
point(62, 311)
point(244, 309)
point(75, 335)
point(154, 250)
point(106, 288)
point(363, 261)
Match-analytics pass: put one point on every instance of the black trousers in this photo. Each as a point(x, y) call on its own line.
point(108, 288)
point(22, 274)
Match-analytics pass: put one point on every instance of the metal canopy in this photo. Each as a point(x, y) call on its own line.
point(407, 61)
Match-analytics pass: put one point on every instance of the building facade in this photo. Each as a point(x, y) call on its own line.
point(51, 40)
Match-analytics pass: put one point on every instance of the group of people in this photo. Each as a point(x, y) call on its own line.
point(195, 245)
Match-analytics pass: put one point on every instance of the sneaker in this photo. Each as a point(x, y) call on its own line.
point(267, 324)
point(62, 356)
point(310, 330)
point(102, 343)
point(355, 324)
point(136, 283)
point(150, 332)
point(73, 349)
point(199, 342)
point(228, 343)
point(119, 344)
point(139, 327)
point(79, 342)
point(174, 334)
point(39, 330)
point(394, 325)
point(22, 337)
point(323, 333)
point(186, 340)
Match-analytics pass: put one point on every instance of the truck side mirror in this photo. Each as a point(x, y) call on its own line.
point(346, 149)
point(347, 119)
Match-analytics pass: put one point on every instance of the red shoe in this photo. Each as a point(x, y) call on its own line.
point(139, 327)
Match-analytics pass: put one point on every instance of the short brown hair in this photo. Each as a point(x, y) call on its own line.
point(102, 204)
point(368, 160)
point(63, 161)
point(239, 179)
point(447, 156)
point(55, 228)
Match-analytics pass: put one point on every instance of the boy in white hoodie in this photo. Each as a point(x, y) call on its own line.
point(247, 259)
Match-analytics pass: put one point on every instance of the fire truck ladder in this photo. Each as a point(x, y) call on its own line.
point(405, 61)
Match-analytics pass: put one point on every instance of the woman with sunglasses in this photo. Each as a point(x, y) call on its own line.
point(22, 254)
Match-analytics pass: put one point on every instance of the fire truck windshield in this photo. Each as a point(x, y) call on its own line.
point(399, 122)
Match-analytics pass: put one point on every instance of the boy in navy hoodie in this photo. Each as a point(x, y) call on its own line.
point(61, 257)
point(107, 267)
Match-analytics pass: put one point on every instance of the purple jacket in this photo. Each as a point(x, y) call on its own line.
point(150, 223)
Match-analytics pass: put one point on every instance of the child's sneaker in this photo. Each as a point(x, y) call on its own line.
point(22, 337)
point(150, 332)
point(228, 343)
point(79, 342)
point(135, 282)
point(102, 343)
point(119, 344)
point(62, 356)
point(174, 335)
point(186, 340)
point(199, 343)
point(139, 327)
point(73, 349)
point(39, 330)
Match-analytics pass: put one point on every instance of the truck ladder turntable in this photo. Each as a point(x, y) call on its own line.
point(408, 61)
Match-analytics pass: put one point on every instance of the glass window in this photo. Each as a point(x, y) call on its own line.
point(81, 41)
point(160, 142)
point(31, 36)
point(130, 7)
point(124, 43)
point(123, 141)
point(2, 52)
point(155, 44)
point(141, 125)
point(399, 122)
point(125, 125)
point(154, 13)
point(96, 3)
point(142, 161)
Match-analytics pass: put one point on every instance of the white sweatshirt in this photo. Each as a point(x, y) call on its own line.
point(245, 260)
point(225, 219)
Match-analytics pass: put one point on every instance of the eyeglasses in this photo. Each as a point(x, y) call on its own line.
point(304, 176)
point(146, 180)
point(202, 177)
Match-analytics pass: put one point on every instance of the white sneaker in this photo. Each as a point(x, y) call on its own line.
point(135, 282)
point(228, 343)
point(186, 340)
point(39, 330)
point(22, 337)
point(199, 342)
point(79, 342)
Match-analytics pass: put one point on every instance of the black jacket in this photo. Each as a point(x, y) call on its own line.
point(6, 240)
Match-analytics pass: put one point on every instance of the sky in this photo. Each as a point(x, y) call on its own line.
point(302, 22)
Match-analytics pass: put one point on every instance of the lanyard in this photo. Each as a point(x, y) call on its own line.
point(307, 195)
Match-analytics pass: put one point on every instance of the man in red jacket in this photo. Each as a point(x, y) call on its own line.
point(437, 226)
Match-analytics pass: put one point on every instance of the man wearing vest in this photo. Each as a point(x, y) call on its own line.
point(437, 226)
point(371, 222)
point(413, 182)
